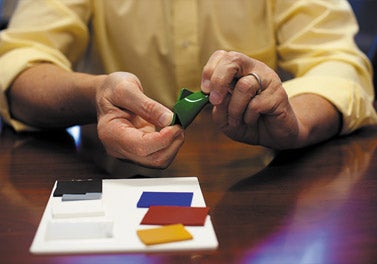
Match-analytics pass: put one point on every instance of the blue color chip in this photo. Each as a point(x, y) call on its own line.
point(164, 198)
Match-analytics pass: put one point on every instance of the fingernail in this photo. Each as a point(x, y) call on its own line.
point(180, 133)
point(165, 119)
point(215, 98)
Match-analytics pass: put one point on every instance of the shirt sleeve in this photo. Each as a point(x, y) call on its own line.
point(316, 44)
point(41, 31)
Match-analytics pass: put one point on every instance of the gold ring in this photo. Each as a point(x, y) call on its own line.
point(259, 80)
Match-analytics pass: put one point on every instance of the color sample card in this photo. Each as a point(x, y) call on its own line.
point(148, 199)
point(165, 215)
point(76, 209)
point(77, 187)
point(165, 234)
point(79, 197)
point(188, 106)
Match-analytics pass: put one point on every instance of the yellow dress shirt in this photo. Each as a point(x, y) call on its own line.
point(167, 42)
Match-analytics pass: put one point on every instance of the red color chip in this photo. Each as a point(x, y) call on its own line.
point(166, 215)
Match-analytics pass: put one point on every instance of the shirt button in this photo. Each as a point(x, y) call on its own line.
point(185, 44)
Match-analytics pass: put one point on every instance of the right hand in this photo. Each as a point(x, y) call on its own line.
point(134, 127)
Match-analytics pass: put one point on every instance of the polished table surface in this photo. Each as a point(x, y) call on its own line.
point(315, 205)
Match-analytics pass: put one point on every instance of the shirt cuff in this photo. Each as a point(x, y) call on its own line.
point(355, 105)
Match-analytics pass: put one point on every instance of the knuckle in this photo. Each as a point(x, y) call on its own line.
point(220, 52)
point(218, 80)
point(245, 86)
point(272, 78)
point(234, 56)
point(148, 106)
point(207, 70)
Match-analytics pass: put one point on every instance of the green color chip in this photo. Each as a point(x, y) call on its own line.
point(188, 106)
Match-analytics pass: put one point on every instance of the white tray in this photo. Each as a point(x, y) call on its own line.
point(110, 224)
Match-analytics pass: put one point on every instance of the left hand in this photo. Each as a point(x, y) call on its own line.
point(246, 110)
point(134, 127)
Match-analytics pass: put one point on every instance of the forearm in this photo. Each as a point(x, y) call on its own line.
point(46, 96)
point(318, 119)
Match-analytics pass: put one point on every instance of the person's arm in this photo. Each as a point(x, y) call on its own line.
point(315, 43)
point(41, 32)
point(46, 96)
point(319, 119)
point(130, 125)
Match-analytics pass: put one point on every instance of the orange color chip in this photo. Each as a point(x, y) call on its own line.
point(164, 234)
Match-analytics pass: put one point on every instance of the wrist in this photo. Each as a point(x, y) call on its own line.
point(318, 119)
point(88, 86)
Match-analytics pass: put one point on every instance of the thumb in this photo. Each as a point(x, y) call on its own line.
point(150, 110)
point(129, 95)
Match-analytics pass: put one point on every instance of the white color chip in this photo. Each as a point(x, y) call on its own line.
point(75, 209)
point(67, 230)
point(78, 197)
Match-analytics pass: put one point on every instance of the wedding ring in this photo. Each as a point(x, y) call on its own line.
point(259, 80)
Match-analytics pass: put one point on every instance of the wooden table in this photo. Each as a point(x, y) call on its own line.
point(316, 205)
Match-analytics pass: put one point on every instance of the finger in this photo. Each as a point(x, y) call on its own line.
point(231, 67)
point(209, 68)
point(164, 157)
point(245, 89)
point(136, 145)
point(149, 109)
point(159, 149)
point(128, 94)
point(154, 142)
point(220, 113)
point(252, 114)
point(270, 102)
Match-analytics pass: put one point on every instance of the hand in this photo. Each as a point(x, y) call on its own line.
point(246, 110)
point(134, 127)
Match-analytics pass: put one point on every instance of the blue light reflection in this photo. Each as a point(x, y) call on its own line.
point(75, 132)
